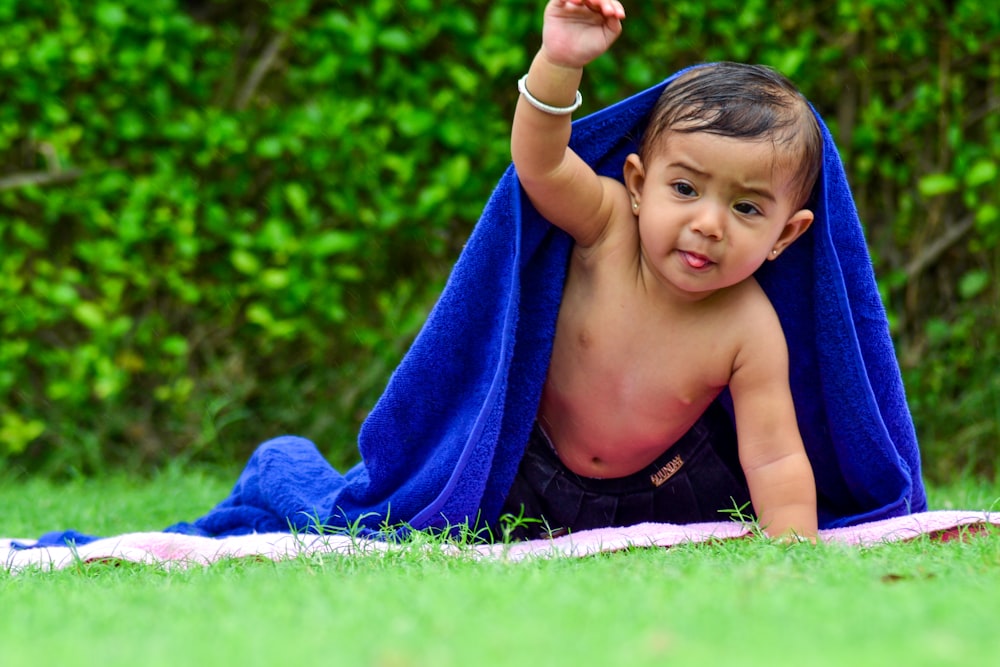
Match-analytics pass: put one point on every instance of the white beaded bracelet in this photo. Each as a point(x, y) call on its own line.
point(547, 108)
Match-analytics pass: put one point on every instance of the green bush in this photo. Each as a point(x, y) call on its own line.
point(221, 221)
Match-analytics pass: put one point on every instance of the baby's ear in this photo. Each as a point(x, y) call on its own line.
point(796, 226)
point(635, 176)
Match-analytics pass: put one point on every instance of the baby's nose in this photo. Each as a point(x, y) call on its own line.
point(710, 222)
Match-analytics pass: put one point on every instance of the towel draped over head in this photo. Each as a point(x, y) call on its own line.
point(442, 445)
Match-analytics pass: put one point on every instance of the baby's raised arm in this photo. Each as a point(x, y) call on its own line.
point(562, 187)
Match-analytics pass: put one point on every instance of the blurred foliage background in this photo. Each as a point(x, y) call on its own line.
point(224, 220)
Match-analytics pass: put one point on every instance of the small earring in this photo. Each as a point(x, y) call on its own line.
point(635, 206)
point(774, 253)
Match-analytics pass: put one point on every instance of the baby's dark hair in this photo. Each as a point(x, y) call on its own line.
point(751, 102)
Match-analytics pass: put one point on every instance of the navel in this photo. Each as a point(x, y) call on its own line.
point(598, 464)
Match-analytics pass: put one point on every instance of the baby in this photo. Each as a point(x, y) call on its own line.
point(660, 310)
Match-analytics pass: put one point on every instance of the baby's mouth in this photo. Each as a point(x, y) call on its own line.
point(694, 260)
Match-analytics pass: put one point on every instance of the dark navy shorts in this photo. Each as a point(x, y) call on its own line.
point(695, 480)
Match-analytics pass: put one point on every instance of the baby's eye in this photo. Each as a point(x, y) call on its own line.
point(746, 208)
point(684, 189)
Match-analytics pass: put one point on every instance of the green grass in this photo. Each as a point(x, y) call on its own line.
point(748, 602)
point(110, 505)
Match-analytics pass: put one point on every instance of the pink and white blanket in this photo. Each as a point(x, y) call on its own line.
point(170, 549)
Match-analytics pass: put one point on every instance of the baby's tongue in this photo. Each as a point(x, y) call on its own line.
point(696, 261)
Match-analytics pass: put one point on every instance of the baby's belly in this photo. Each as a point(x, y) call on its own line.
point(605, 441)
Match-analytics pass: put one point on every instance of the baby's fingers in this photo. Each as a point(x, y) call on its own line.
point(607, 8)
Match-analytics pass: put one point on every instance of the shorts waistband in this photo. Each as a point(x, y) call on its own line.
point(657, 473)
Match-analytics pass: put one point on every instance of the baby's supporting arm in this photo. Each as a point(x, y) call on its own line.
point(779, 474)
point(561, 186)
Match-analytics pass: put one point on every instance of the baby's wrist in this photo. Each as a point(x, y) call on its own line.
point(550, 86)
point(564, 67)
point(522, 87)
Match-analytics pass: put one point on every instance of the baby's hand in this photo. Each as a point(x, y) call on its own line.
point(577, 31)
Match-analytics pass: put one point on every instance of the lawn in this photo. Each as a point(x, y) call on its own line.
point(749, 602)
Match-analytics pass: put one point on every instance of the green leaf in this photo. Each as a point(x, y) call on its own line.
point(298, 198)
point(16, 433)
point(986, 215)
point(935, 185)
point(348, 272)
point(63, 294)
point(268, 147)
point(111, 15)
point(973, 283)
point(244, 261)
point(259, 314)
point(937, 330)
point(275, 279)
point(981, 173)
point(394, 39)
point(176, 346)
point(89, 315)
point(334, 242)
point(415, 122)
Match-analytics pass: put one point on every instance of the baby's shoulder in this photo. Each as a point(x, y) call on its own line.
point(749, 308)
point(618, 242)
point(750, 296)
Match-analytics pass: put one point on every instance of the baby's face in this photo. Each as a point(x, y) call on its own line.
point(712, 209)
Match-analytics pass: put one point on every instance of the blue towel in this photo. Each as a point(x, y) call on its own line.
point(442, 444)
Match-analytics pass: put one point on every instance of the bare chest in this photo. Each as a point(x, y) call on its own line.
point(628, 378)
point(637, 358)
